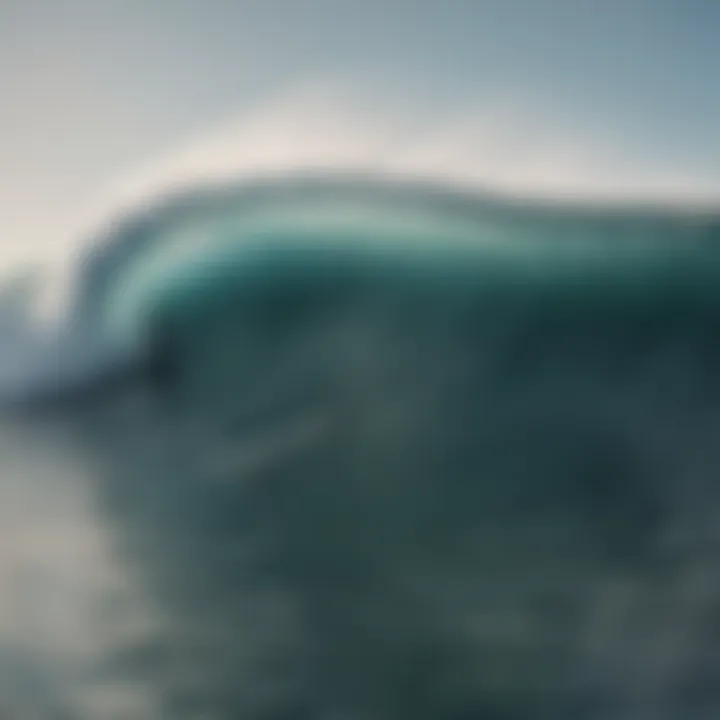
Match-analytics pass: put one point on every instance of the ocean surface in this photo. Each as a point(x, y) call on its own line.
point(345, 448)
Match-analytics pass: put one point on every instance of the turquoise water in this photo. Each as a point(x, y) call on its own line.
point(401, 453)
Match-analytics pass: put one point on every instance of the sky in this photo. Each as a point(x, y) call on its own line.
point(109, 99)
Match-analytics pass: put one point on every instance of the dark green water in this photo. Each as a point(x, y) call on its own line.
point(362, 481)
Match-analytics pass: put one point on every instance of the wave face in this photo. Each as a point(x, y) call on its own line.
point(397, 452)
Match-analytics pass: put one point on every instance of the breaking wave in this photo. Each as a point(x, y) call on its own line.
point(380, 449)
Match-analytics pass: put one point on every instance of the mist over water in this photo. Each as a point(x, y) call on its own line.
point(353, 448)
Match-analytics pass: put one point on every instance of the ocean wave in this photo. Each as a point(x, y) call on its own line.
point(224, 228)
point(377, 449)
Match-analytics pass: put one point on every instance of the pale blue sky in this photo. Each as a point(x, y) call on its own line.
point(92, 89)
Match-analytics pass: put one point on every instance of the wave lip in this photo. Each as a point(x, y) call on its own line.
point(201, 233)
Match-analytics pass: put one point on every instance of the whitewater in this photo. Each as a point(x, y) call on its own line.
point(348, 445)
